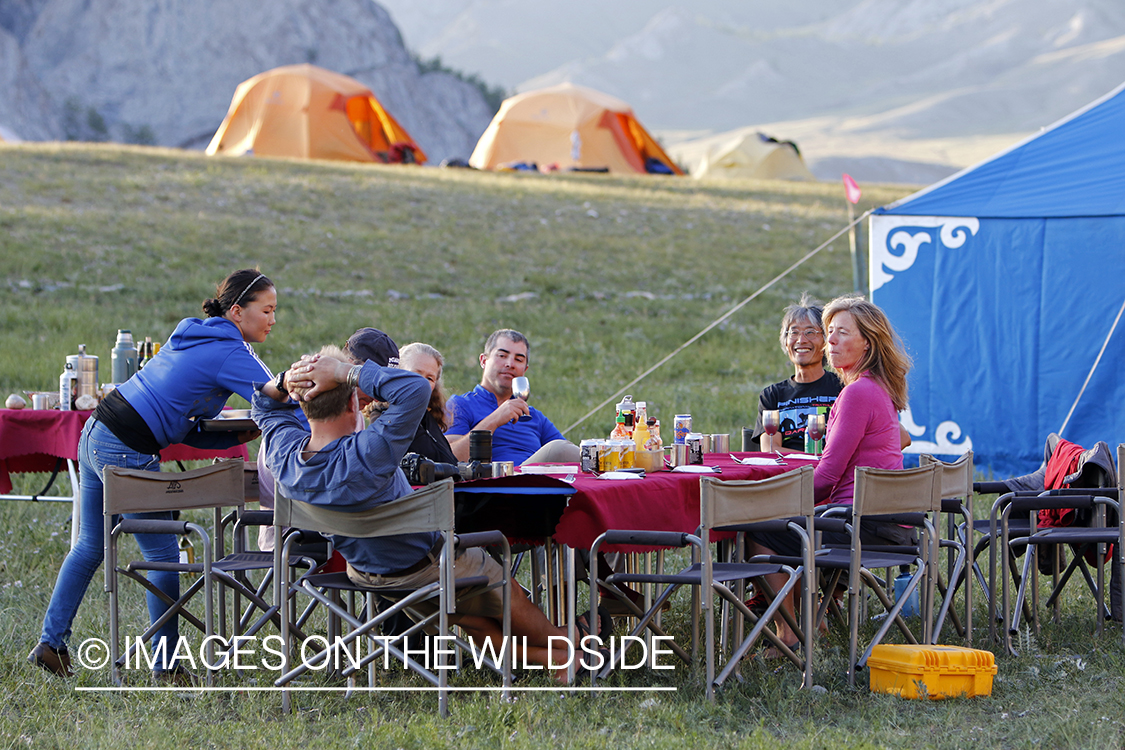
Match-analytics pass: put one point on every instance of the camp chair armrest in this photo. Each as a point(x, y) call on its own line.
point(480, 539)
point(647, 538)
point(255, 518)
point(774, 526)
point(905, 519)
point(1046, 502)
point(303, 536)
point(1110, 492)
point(838, 525)
point(990, 488)
point(152, 526)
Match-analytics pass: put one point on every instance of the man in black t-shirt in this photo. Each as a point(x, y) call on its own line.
point(812, 389)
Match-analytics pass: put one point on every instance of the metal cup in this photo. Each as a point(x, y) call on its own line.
point(503, 468)
point(39, 401)
point(720, 443)
point(679, 454)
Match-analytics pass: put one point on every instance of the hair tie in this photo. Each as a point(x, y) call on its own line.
point(244, 291)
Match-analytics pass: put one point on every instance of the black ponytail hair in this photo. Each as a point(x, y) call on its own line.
point(239, 288)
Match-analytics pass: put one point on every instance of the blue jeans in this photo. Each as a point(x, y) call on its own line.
point(97, 449)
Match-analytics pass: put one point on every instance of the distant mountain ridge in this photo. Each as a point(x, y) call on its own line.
point(895, 79)
point(132, 70)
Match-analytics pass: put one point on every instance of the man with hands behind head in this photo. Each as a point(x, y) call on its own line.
point(345, 469)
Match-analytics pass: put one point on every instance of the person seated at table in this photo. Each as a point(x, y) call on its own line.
point(430, 440)
point(490, 406)
point(812, 388)
point(340, 467)
point(863, 427)
point(365, 344)
point(203, 363)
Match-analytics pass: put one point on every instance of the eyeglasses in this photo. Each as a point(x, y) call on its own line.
point(809, 333)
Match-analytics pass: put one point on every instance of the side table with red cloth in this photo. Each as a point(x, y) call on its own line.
point(662, 501)
point(33, 440)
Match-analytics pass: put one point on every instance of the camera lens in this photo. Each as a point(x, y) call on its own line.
point(480, 446)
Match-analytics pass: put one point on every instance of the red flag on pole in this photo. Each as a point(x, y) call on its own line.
point(851, 190)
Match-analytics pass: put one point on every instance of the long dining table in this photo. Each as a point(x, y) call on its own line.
point(567, 510)
point(46, 440)
point(661, 501)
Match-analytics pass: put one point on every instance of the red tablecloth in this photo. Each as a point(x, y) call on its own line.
point(662, 501)
point(34, 440)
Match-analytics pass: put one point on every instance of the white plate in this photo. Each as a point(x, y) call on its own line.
point(234, 414)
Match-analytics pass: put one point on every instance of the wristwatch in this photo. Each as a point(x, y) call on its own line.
point(279, 383)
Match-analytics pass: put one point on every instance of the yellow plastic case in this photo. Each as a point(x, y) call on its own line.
point(931, 671)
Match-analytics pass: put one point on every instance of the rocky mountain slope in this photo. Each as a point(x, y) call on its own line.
point(164, 73)
point(904, 89)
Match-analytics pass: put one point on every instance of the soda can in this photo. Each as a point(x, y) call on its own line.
point(680, 428)
point(609, 456)
point(589, 450)
point(694, 442)
point(628, 453)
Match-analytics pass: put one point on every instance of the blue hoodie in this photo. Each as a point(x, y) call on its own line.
point(203, 363)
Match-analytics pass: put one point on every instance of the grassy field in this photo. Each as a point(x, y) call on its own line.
point(605, 275)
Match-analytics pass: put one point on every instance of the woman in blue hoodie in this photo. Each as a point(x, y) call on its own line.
point(203, 363)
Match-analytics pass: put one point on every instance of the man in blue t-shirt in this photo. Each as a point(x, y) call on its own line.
point(490, 406)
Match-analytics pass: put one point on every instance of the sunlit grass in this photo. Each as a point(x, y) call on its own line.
point(605, 274)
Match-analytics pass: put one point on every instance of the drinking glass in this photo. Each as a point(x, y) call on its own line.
point(521, 389)
point(815, 425)
point(771, 421)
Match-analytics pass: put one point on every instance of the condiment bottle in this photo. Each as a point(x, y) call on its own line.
point(629, 410)
point(654, 442)
point(641, 436)
point(619, 430)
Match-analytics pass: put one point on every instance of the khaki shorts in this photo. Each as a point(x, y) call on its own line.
point(468, 564)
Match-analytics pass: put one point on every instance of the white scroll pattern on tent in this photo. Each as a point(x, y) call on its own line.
point(885, 261)
point(944, 435)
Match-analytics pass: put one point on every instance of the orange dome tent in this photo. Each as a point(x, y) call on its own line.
point(570, 127)
point(308, 112)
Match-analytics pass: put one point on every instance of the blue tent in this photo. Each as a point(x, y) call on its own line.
point(1006, 282)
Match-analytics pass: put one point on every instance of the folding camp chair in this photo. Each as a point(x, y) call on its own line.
point(129, 491)
point(310, 556)
point(782, 503)
point(427, 509)
point(957, 507)
point(903, 496)
point(1094, 469)
point(1107, 530)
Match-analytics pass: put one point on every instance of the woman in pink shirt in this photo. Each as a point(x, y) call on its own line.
point(863, 427)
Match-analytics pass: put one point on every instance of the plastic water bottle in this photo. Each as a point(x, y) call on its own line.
point(123, 358)
point(912, 607)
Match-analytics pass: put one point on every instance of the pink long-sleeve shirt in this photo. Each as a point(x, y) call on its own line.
point(862, 431)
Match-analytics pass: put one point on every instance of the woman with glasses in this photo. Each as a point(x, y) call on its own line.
point(203, 363)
